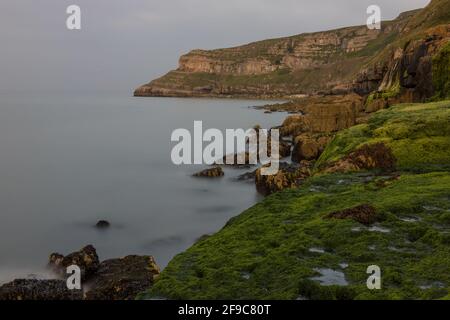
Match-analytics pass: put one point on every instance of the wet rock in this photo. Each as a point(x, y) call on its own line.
point(210, 173)
point(330, 277)
point(26, 289)
point(122, 279)
point(86, 259)
point(288, 176)
point(102, 224)
point(365, 214)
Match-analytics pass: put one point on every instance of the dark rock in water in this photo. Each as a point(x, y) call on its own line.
point(102, 224)
point(122, 279)
point(247, 176)
point(86, 259)
point(365, 214)
point(210, 173)
point(38, 290)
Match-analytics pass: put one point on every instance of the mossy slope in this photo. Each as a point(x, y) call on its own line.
point(273, 250)
point(418, 134)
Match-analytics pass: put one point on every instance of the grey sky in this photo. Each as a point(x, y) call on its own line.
point(124, 43)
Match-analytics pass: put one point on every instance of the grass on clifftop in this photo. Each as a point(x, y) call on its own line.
point(285, 247)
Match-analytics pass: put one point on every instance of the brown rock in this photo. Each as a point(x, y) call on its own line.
point(86, 259)
point(365, 214)
point(122, 279)
point(309, 147)
point(210, 173)
point(288, 176)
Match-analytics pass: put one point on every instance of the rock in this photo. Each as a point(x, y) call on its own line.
point(102, 224)
point(365, 214)
point(25, 289)
point(247, 176)
point(367, 157)
point(288, 176)
point(309, 147)
point(86, 259)
point(210, 173)
point(122, 279)
point(322, 115)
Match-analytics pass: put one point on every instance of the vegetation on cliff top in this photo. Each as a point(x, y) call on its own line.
point(288, 247)
point(418, 135)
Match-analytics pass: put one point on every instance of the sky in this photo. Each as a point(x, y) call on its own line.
point(123, 44)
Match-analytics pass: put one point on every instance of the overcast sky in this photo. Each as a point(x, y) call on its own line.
point(124, 43)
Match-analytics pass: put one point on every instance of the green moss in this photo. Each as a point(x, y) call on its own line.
point(418, 135)
point(264, 252)
point(441, 73)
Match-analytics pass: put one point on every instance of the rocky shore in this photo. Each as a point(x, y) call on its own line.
point(113, 279)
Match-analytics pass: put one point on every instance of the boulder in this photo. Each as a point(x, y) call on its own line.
point(288, 176)
point(309, 147)
point(32, 289)
point(210, 173)
point(122, 279)
point(86, 259)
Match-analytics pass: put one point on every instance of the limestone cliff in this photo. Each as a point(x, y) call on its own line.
point(353, 59)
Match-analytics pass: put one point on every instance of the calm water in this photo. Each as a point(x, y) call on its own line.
point(66, 163)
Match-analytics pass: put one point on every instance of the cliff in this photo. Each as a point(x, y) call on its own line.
point(353, 59)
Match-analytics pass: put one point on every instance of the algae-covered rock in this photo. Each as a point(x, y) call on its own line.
point(210, 173)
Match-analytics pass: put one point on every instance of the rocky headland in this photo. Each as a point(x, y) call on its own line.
point(368, 178)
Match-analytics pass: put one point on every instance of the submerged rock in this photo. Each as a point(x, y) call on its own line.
point(26, 289)
point(102, 224)
point(210, 173)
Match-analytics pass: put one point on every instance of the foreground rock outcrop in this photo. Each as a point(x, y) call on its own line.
point(113, 279)
point(31, 289)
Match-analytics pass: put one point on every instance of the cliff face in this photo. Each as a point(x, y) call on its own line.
point(338, 61)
